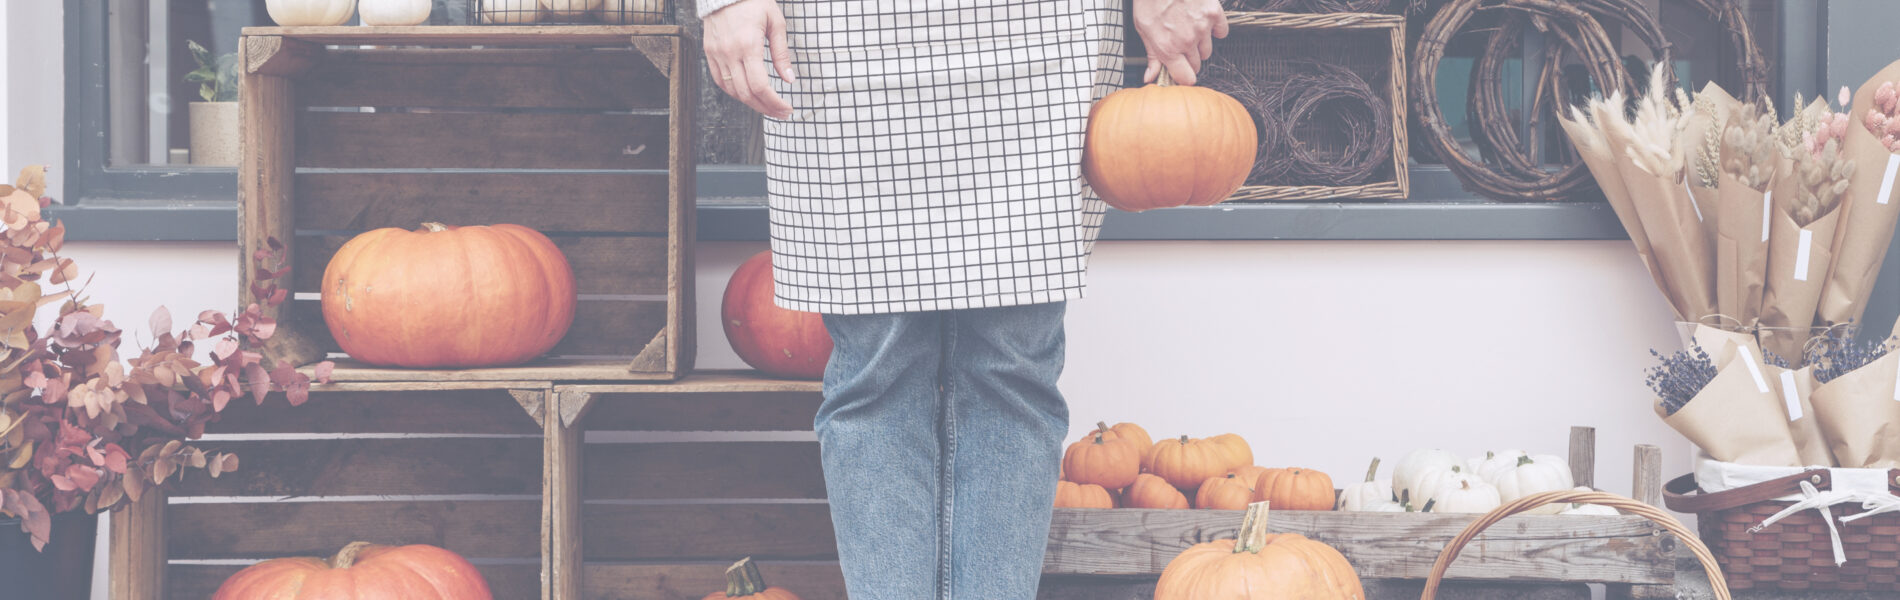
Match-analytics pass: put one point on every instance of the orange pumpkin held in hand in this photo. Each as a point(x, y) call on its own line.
point(772, 339)
point(1110, 463)
point(1082, 495)
point(1226, 492)
point(1186, 462)
point(1295, 489)
point(1259, 566)
point(361, 570)
point(448, 297)
point(1168, 145)
point(744, 581)
point(1150, 491)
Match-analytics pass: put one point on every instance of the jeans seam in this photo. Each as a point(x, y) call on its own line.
point(945, 487)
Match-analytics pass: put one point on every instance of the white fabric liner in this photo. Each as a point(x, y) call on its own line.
point(1868, 487)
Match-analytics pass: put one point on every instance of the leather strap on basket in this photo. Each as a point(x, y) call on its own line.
point(1682, 495)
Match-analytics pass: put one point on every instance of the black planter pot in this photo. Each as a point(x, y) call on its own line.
point(62, 572)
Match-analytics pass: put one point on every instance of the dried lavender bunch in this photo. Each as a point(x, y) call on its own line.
point(1770, 358)
point(1680, 377)
point(1838, 355)
point(1748, 146)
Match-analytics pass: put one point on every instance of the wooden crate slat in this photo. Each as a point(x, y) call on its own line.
point(601, 327)
point(357, 467)
point(472, 528)
point(465, 35)
point(608, 581)
point(355, 376)
point(546, 202)
point(481, 141)
point(620, 532)
point(567, 78)
point(602, 265)
point(199, 581)
point(443, 411)
point(774, 470)
point(717, 411)
point(1379, 545)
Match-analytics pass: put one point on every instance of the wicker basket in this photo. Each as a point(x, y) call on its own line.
point(1796, 552)
point(1627, 505)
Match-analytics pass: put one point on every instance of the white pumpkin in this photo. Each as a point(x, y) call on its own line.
point(1531, 475)
point(510, 12)
point(568, 10)
point(299, 13)
point(1496, 462)
point(1595, 510)
point(1382, 506)
point(1430, 484)
point(396, 13)
point(633, 12)
point(1414, 467)
point(1360, 495)
point(1464, 493)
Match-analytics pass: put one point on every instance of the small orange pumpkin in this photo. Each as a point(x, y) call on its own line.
point(744, 581)
point(1151, 491)
point(1295, 489)
point(1168, 145)
point(1259, 566)
point(1098, 459)
point(361, 570)
point(1186, 462)
point(1134, 434)
point(1227, 492)
point(1238, 452)
point(1250, 473)
point(1082, 495)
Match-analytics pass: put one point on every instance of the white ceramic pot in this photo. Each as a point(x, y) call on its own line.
point(396, 13)
point(297, 13)
point(214, 134)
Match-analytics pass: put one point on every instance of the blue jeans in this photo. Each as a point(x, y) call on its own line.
point(941, 433)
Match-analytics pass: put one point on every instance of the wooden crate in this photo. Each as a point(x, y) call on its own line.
point(1366, 30)
point(581, 132)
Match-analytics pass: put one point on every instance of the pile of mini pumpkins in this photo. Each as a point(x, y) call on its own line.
point(1120, 467)
point(1437, 481)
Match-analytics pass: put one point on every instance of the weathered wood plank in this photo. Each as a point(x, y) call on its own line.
point(355, 376)
point(546, 202)
point(357, 467)
point(561, 534)
point(1647, 472)
point(481, 140)
point(644, 581)
point(1380, 545)
point(273, 55)
point(1071, 587)
point(602, 265)
point(136, 552)
point(1583, 455)
point(566, 78)
point(198, 581)
point(753, 470)
point(266, 143)
point(464, 35)
point(682, 166)
point(452, 411)
point(713, 411)
point(601, 327)
point(472, 528)
point(708, 532)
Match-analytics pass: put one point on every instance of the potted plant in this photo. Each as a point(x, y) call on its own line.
point(214, 122)
point(80, 426)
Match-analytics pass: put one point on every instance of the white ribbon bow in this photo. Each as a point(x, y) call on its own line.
point(1812, 498)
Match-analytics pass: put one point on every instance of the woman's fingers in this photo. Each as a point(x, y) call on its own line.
point(1153, 71)
point(1207, 47)
point(761, 96)
point(1181, 70)
point(781, 49)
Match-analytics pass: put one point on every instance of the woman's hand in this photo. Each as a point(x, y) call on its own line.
point(1179, 35)
point(735, 53)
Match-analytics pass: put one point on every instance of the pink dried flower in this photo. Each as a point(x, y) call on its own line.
point(1846, 97)
point(1891, 142)
point(1886, 97)
point(1892, 128)
point(1838, 128)
point(1875, 122)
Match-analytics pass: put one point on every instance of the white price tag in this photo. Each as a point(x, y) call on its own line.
point(1801, 256)
point(1790, 395)
point(1691, 194)
point(1767, 200)
point(1886, 181)
point(1754, 369)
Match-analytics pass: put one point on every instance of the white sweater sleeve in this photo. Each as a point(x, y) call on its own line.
point(707, 7)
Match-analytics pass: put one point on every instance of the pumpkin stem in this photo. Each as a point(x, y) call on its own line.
point(1428, 505)
point(435, 227)
point(1101, 426)
point(743, 579)
point(1164, 80)
point(1253, 529)
point(1184, 440)
point(346, 557)
point(1372, 470)
point(1098, 439)
point(1524, 460)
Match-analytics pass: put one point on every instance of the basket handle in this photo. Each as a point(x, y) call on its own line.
point(1627, 505)
point(1682, 495)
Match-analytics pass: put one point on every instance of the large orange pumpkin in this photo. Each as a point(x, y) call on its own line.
point(1168, 145)
point(454, 297)
point(1098, 459)
point(361, 570)
point(1238, 453)
point(1295, 489)
point(1186, 462)
point(1151, 491)
point(743, 581)
point(1259, 566)
point(774, 340)
point(1082, 495)
point(1227, 492)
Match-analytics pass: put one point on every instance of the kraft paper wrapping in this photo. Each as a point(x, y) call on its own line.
point(1677, 236)
point(1859, 416)
point(1788, 302)
point(1602, 163)
point(1736, 419)
point(1741, 258)
point(1720, 344)
point(1868, 217)
point(1695, 128)
point(1796, 390)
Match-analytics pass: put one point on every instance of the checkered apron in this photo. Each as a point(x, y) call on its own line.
point(933, 158)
